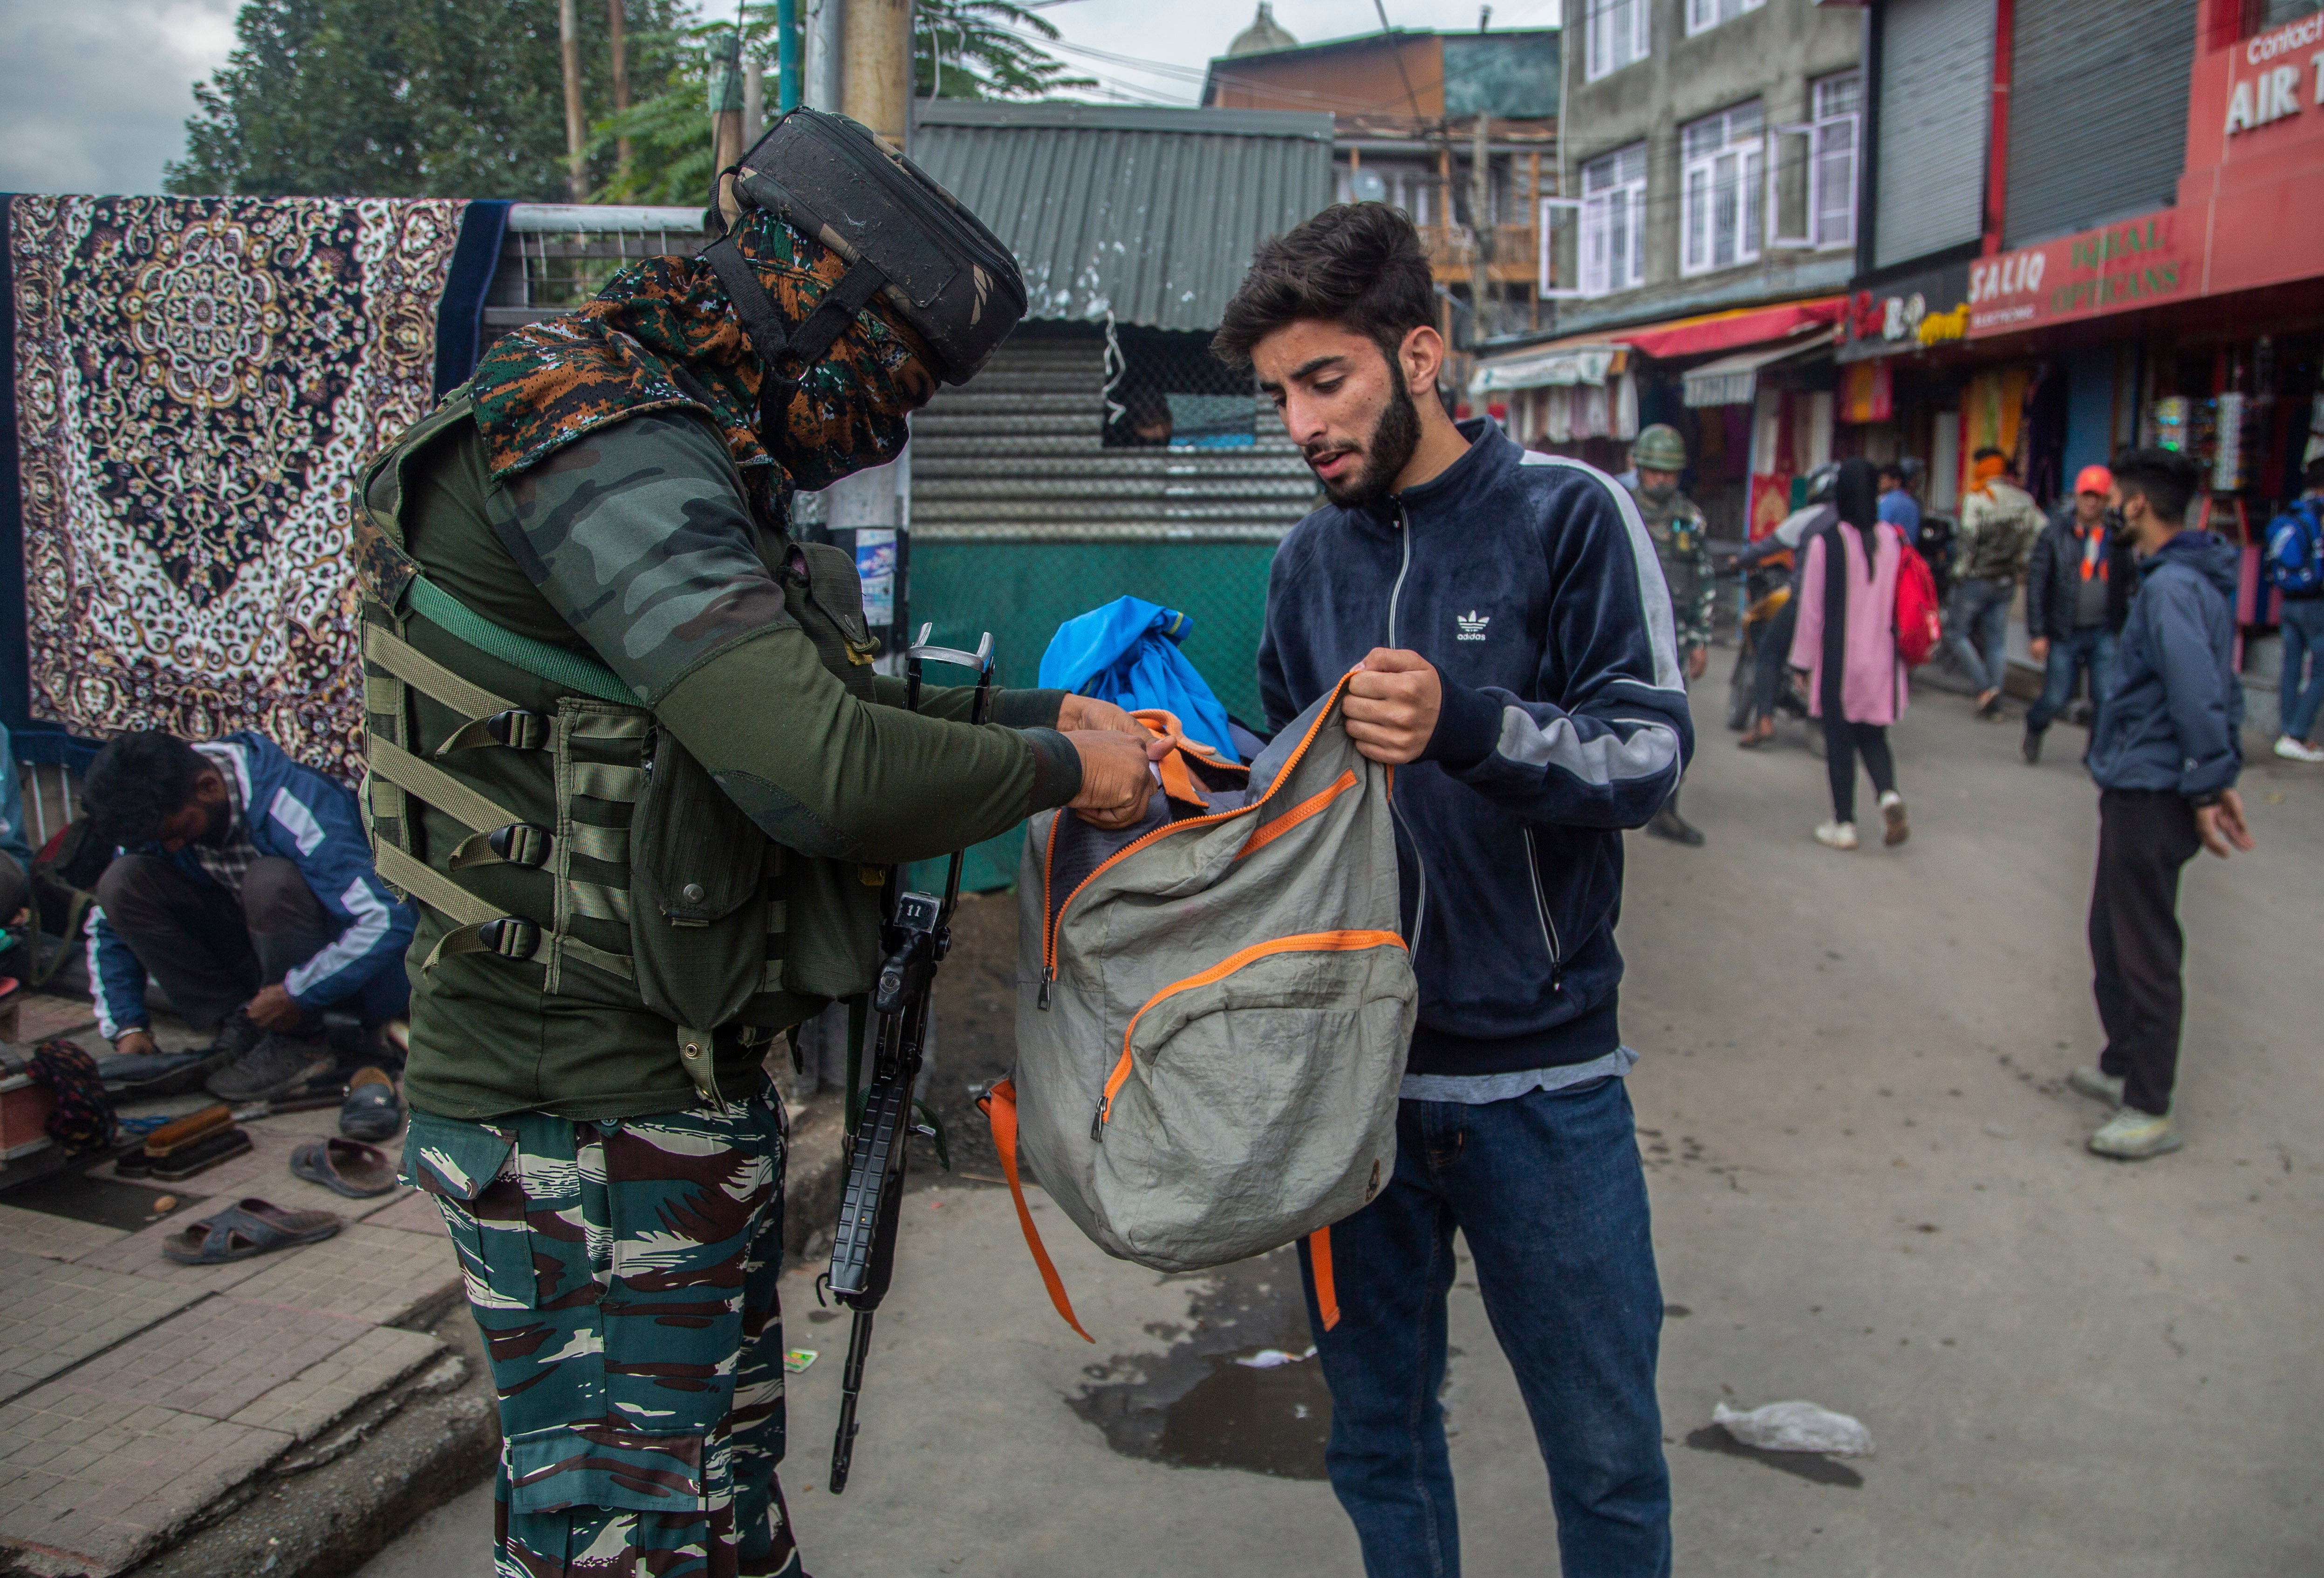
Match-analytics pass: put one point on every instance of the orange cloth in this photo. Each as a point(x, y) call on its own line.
point(1986, 470)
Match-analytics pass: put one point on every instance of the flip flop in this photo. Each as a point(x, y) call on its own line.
point(345, 1166)
point(371, 1110)
point(245, 1229)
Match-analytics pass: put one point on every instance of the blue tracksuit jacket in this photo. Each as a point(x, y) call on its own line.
point(1531, 584)
point(2174, 719)
point(297, 814)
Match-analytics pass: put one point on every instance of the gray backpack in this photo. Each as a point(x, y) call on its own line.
point(1212, 1009)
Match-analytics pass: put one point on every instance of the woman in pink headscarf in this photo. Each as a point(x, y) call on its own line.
point(1847, 642)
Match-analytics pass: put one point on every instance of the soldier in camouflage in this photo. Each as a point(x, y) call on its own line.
point(707, 826)
point(1676, 526)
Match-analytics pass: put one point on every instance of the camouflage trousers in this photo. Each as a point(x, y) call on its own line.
point(623, 1275)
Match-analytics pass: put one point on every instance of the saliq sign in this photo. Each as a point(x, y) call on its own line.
point(2135, 264)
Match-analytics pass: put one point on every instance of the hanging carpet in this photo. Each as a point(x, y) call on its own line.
point(195, 381)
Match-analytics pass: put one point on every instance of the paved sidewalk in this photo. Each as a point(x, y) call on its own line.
point(138, 1396)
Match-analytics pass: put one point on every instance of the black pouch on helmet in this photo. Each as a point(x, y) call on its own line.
point(943, 273)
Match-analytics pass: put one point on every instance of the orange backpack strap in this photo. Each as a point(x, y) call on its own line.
point(1319, 1260)
point(1000, 1106)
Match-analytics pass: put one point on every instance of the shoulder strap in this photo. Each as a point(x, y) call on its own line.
point(764, 325)
point(572, 670)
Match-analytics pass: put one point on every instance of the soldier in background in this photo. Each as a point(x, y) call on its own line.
point(1676, 525)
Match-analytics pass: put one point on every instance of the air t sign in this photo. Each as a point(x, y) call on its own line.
point(2272, 93)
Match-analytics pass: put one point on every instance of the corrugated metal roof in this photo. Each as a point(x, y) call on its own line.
point(1152, 214)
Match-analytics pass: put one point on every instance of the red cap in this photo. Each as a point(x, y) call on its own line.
point(2094, 479)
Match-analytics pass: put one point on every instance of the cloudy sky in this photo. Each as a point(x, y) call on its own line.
point(94, 94)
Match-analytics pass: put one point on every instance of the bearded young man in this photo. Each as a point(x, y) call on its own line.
point(1514, 639)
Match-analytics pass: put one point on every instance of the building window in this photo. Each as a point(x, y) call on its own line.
point(1617, 35)
point(1702, 15)
point(1839, 102)
point(1723, 164)
point(1614, 222)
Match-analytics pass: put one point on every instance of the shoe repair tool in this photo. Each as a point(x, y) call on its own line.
point(915, 937)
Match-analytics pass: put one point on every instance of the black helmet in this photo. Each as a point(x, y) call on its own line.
point(1822, 481)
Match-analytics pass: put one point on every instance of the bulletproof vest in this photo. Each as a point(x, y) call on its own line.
point(1676, 524)
point(660, 893)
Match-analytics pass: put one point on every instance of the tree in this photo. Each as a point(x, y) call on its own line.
point(401, 98)
point(669, 130)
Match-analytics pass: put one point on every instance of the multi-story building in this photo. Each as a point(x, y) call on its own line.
point(1411, 109)
point(2091, 223)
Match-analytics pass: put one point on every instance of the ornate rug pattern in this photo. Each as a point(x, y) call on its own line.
point(198, 381)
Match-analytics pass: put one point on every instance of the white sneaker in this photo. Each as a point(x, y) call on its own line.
point(1836, 835)
point(1891, 812)
point(2097, 1085)
point(2292, 750)
point(2131, 1135)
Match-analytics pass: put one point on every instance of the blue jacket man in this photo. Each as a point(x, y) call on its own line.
point(244, 885)
point(1513, 655)
point(2165, 753)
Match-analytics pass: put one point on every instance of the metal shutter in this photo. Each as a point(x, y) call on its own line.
point(1015, 454)
point(2095, 128)
point(1936, 108)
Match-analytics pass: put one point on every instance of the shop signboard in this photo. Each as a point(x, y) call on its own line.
point(1908, 314)
point(2246, 214)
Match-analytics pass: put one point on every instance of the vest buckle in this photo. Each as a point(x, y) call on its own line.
point(520, 844)
point(518, 729)
point(512, 936)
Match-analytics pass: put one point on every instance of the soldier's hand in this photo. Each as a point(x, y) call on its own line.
point(1117, 775)
point(1087, 711)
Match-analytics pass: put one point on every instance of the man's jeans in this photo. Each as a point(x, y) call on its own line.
point(2303, 636)
point(1979, 636)
point(2091, 649)
point(1547, 1190)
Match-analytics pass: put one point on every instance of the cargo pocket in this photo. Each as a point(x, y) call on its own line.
point(468, 1168)
point(1246, 1105)
point(569, 1466)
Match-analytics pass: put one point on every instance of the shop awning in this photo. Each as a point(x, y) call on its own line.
point(1545, 366)
point(1733, 380)
point(1713, 332)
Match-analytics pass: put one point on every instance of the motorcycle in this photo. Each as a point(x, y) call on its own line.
point(1764, 592)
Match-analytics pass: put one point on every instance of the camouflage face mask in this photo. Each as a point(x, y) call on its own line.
point(662, 333)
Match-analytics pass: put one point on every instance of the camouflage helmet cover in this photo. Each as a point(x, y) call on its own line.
point(1659, 448)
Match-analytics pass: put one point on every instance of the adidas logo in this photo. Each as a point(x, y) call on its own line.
point(1471, 625)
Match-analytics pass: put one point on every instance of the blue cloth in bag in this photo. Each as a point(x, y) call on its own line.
point(1127, 652)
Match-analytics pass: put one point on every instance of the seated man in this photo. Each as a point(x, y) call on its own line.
point(245, 887)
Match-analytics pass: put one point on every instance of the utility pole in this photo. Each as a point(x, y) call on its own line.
point(727, 123)
point(1480, 226)
point(617, 41)
point(826, 20)
point(875, 63)
point(577, 165)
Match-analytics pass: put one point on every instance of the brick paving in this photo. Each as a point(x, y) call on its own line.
point(310, 1402)
point(54, 1314)
point(413, 1212)
point(217, 1358)
point(59, 1238)
point(105, 1479)
point(367, 1273)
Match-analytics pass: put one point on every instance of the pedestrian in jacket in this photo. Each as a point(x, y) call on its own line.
point(2299, 706)
point(2166, 755)
point(244, 884)
point(1998, 523)
point(1847, 642)
point(2077, 587)
point(1517, 662)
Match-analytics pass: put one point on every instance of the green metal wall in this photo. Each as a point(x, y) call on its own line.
point(1022, 591)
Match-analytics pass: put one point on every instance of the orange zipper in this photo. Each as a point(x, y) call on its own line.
point(1314, 942)
point(1053, 919)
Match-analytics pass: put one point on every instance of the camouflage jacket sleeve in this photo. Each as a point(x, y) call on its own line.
point(639, 536)
point(1695, 620)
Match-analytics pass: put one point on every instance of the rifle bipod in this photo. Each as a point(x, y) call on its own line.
point(914, 938)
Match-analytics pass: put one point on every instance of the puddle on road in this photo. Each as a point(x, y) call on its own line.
point(1192, 1405)
point(1807, 1465)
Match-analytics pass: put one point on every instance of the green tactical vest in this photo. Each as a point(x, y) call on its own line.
point(649, 887)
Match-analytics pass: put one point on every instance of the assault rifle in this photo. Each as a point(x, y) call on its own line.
point(916, 938)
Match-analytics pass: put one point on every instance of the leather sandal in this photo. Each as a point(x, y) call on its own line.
point(345, 1166)
point(372, 1111)
point(246, 1228)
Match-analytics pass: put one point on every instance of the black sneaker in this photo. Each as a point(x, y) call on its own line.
point(237, 1037)
point(2031, 748)
point(276, 1066)
point(1668, 823)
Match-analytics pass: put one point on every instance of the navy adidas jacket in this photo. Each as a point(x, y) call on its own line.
point(297, 814)
point(1531, 584)
point(2174, 717)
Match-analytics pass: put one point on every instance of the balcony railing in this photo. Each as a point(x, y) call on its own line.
point(1451, 255)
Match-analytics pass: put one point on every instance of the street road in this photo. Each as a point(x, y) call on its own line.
point(1869, 1192)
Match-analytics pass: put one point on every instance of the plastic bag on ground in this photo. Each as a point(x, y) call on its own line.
point(1795, 1427)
